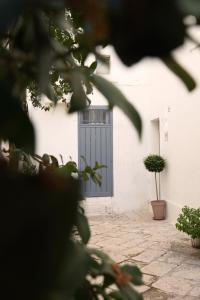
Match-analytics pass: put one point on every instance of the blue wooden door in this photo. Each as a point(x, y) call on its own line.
point(95, 144)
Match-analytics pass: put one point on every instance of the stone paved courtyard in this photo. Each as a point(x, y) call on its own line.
point(170, 266)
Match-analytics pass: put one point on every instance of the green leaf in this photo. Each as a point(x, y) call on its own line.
point(84, 176)
point(93, 67)
point(103, 256)
point(54, 161)
point(83, 292)
point(128, 293)
point(115, 97)
point(49, 92)
point(95, 267)
point(9, 10)
point(45, 58)
point(134, 272)
point(77, 55)
point(179, 71)
point(108, 280)
point(46, 159)
point(15, 125)
point(79, 99)
point(37, 157)
point(116, 295)
point(96, 178)
point(72, 166)
point(88, 170)
point(14, 158)
point(76, 269)
point(83, 227)
point(105, 261)
point(99, 166)
point(89, 88)
point(69, 168)
point(190, 7)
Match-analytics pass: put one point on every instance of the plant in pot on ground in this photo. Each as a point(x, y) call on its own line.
point(189, 222)
point(156, 164)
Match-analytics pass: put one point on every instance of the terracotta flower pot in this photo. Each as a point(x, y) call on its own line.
point(195, 242)
point(159, 209)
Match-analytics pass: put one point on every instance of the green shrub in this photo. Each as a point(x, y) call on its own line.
point(189, 221)
point(154, 163)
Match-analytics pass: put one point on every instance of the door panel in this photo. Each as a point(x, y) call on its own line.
point(95, 144)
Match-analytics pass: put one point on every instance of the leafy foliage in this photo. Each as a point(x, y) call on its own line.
point(43, 47)
point(154, 163)
point(148, 34)
point(85, 273)
point(36, 245)
point(33, 164)
point(189, 221)
point(192, 7)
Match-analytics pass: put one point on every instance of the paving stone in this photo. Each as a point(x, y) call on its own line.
point(138, 242)
point(115, 241)
point(132, 252)
point(183, 247)
point(141, 288)
point(149, 279)
point(92, 245)
point(189, 298)
point(174, 297)
point(149, 255)
point(193, 261)
point(158, 268)
point(117, 256)
point(110, 247)
point(166, 245)
point(195, 292)
point(157, 248)
point(155, 294)
point(171, 284)
point(173, 257)
point(187, 271)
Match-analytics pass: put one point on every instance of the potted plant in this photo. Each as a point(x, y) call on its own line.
point(155, 163)
point(189, 222)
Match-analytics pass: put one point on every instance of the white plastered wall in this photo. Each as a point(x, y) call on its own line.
point(157, 94)
point(57, 133)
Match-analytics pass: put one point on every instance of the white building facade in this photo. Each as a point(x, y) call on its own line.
point(171, 128)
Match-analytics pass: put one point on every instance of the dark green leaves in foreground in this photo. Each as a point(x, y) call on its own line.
point(190, 6)
point(9, 10)
point(37, 258)
point(145, 28)
point(15, 125)
point(135, 272)
point(123, 278)
point(177, 69)
point(83, 227)
point(116, 98)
